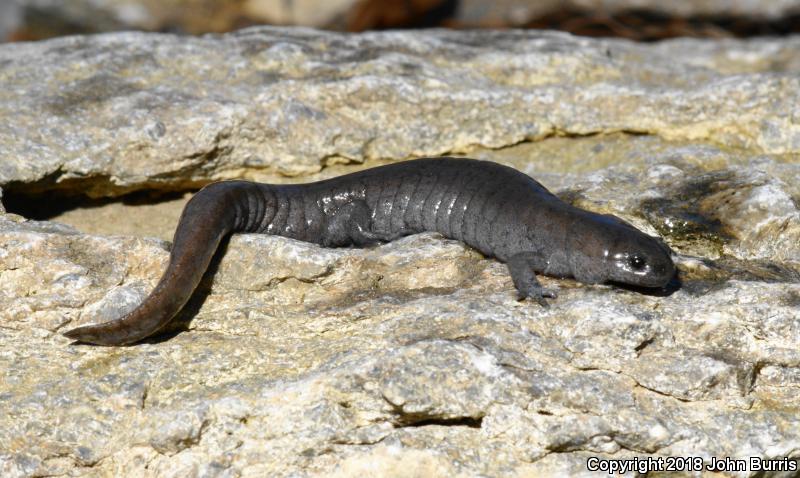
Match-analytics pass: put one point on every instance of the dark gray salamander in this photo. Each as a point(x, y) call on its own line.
point(496, 209)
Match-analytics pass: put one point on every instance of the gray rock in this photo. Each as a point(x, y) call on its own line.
point(130, 111)
point(414, 357)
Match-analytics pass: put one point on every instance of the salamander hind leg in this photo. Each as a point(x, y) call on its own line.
point(350, 224)
point(522, 267)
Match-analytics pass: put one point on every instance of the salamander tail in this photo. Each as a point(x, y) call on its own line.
point(207, 218)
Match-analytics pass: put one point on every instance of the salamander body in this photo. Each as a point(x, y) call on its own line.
point(496, 209)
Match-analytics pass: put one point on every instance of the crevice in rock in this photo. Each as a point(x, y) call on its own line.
point(276, 281)
point(411, 421)
point(403, 419)
point(658, 392)
point(554, 132)
point(347, 442)
point(47, 204)
point(645, 343)
point(517, 367)
point(99, 186)
point(145, 394)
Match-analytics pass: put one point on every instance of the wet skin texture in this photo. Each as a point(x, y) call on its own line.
point(496, 209)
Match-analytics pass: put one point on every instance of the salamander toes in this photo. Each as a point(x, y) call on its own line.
point(539, 294)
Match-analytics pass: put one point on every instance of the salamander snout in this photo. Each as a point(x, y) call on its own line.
point(641, 260)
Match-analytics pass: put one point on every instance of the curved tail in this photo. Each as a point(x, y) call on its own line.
point(214, 212)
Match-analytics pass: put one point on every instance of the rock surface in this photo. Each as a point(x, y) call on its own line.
point(127, 111)
point(412, 358)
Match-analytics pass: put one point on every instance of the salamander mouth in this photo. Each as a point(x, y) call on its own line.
point(659, 275)
point(664, 288)
point(664, 273)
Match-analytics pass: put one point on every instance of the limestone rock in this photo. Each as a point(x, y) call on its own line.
point(130, 111)
point(412, 357)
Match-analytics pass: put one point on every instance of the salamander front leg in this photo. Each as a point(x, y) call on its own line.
point(522, 267)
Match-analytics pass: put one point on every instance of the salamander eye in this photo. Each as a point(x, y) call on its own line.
point(637, 262)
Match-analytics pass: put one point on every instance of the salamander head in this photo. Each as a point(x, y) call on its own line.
point(636, 258)
point(604, 248)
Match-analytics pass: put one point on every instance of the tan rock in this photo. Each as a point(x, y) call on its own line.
point(131, 111)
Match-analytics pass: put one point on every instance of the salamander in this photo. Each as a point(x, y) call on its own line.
point(493, 208)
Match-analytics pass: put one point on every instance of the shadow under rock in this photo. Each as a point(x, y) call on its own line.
point(43, 207)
